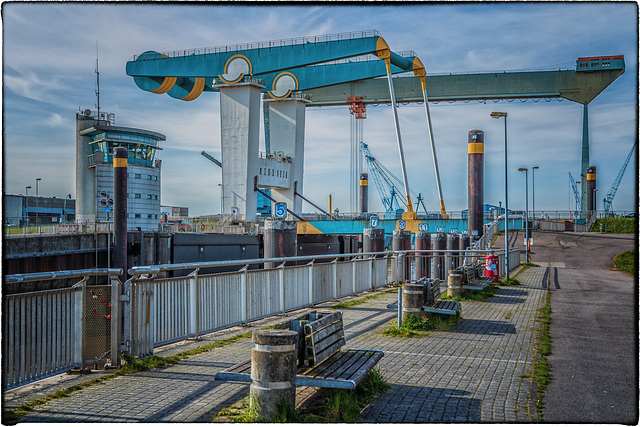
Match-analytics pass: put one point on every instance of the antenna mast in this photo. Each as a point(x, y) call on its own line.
point(97, 82)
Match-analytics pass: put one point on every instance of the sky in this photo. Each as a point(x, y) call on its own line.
point(49, 62)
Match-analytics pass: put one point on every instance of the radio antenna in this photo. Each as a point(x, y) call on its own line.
point(97, 82)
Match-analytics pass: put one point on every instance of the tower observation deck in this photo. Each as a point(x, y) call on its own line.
point(96, 138)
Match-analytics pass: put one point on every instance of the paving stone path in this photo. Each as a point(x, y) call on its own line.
point(475, 372)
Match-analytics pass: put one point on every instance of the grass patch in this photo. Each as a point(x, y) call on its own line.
point(480, 296)
point(339, 406)
point(614, 225)
point(626, 261)
point(131, 365)
point(415, 327)
point(358, 301)
point(511, 282)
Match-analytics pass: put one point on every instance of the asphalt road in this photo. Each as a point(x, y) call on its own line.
point(594, 331)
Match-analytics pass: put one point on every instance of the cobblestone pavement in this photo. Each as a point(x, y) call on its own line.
point(472, 373)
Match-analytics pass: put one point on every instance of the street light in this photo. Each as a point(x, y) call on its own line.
point(526, 209)
point(497, 115)
point(37, 179)
point(64, 208)
point(533, 192)
point(26, 204)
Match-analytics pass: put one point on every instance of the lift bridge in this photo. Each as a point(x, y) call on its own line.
point(315, 71)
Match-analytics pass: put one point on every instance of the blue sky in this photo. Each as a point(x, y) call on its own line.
point(48, 75)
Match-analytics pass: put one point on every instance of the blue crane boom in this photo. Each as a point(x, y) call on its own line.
point(576, 193)
point(608, 199)
point(386, 182)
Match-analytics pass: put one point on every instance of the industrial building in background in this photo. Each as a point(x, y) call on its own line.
point(96, 137)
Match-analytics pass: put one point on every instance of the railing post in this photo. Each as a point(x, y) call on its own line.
point(244, 289)
point(371, 273)
point(116, 325)
point(335, 278)
point(283, 303)
point(127, 312)
point(194, 312)
point(353, 275)
point(311, 283)
point(79, 309)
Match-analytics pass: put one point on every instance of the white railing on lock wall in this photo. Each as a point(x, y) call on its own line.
point(165, 310)
point(43, 331)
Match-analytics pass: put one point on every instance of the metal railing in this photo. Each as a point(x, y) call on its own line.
point(44, 332)
point(161, 311)
point(266, 44)
point(55, 229)
point(48, 332)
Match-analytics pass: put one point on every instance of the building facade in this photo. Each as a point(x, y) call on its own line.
point(22, 210)
point(96, 138)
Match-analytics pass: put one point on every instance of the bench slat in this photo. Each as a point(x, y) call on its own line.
point(355, 362)
point(330, 365)
point(327, 336)
point(326, 320)
point(321, 356)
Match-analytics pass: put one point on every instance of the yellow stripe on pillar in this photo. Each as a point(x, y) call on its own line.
point(476, 148)
point(119, 163)
point(591, 177)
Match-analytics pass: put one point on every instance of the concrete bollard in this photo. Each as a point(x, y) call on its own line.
point(273, 370)
point(454, 283)
point(412, 299)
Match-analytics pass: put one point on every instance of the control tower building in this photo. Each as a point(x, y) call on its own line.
point(96, 137)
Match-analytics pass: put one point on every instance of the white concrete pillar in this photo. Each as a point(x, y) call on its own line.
point(240, 127)
point(286, 134)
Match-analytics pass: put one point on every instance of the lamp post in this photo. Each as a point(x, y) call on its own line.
point(64, 208)
point(26, 205)
point(497, 115)
point(526, 209)
point(37, 179)
point(533, 193)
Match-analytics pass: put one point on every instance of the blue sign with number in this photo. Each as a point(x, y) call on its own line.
point(374, 221)
point(439, 229)
point(474, 232)
point(281, 210)
point(423, 227)
point(465, 231)
point(453, 230)
point(401, 225)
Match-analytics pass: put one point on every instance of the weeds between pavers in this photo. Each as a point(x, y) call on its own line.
point(541, 371)
point(414, 327)
point(473, 295)
point(339, 406)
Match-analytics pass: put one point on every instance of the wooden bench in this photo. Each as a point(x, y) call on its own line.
point(322, 360)
point(433, 303)
point(472, 282)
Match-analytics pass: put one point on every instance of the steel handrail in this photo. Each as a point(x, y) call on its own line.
point(64, 274)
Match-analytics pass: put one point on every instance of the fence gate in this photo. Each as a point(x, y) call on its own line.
point(97, 329)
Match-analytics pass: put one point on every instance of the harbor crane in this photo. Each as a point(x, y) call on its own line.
point(608, 199)
point(386, 182)
point(576, 193)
